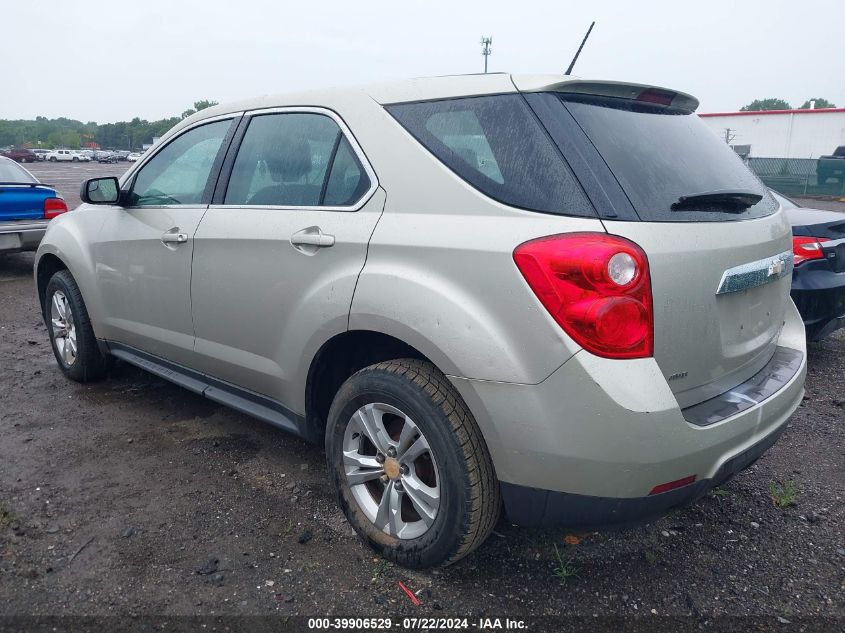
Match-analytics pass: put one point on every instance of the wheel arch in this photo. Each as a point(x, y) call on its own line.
point(67, 246)
point(336, 360)
point(45, 267)
point(349, 351)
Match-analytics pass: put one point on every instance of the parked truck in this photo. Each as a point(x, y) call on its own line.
point(831, 166)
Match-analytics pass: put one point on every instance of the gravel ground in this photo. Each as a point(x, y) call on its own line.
point(133, 496)
point(834, 204)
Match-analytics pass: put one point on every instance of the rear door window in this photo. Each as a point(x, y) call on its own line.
point(347, 181)
point(295, 159)
point(659, 154)
point(496, 144)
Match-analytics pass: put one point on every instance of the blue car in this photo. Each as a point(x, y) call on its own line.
point(26, 206)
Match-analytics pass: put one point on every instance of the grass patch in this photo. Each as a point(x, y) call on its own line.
point(650, 557)
point(565, 569)
point(784, 495)
point(7, 517)
point(719, 492)
point(382, 566)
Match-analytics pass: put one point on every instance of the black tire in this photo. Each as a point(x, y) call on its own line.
point(470, 501)
point(89, 364)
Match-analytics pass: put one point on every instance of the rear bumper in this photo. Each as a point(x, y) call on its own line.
point(532, 507)
point(819, 294)
point(21, 235)
point(587, 446)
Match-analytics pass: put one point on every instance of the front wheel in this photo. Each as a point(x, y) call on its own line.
point(409, 464)
point(71, 334)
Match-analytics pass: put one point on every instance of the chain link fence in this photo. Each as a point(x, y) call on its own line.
point(796, 177)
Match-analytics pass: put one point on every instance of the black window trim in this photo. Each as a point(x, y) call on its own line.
point(234, 147)
point(128, 181)
point(590, 169)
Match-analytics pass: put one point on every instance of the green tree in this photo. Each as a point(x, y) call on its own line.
point(821, 102)
point(772, 103)
point(202, 105)
point(63, 132)
point(188, 113)
point(71, 139)
point(54, 139)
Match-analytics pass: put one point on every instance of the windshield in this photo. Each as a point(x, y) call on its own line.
point(10, 171)
point(660, 155)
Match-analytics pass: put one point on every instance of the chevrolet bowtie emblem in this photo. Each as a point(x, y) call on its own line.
point(776, 268)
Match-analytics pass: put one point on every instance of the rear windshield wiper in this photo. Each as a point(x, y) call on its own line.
point(728, 200)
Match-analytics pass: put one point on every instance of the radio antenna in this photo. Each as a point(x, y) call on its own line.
point(584, 41)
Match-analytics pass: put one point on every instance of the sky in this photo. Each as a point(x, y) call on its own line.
point(111, 60)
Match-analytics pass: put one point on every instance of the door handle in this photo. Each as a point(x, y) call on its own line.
point(173, 236)
point(312, 236)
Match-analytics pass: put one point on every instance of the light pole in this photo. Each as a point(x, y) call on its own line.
point(486, 49)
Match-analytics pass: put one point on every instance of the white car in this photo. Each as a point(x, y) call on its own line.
point(133, 157)
point(81, 157)
point(66, 155)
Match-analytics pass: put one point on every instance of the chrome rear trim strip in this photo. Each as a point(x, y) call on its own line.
point(755, 274)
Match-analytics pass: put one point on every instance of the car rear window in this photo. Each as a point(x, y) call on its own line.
point(11, 172)
point(496, 144)
point(659, 154)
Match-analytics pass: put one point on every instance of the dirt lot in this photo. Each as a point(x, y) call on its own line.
point(133, 496)
point(67, 177)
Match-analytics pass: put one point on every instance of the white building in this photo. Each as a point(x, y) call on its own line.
point(782, 133)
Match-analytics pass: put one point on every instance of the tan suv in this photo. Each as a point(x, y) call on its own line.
point(565, 295)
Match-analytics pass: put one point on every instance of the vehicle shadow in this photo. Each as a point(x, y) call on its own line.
point(16, 265)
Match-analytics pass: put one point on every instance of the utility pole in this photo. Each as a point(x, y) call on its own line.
point(730, 135)
point(486, 50)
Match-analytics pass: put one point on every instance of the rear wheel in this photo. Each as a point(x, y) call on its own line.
point(409, 464)
point(71, 335)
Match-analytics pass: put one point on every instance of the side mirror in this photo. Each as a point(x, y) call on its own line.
point(100, 191)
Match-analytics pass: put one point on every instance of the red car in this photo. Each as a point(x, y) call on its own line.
point(20, 155)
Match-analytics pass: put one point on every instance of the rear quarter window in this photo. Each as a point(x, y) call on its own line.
point(496, 144)
point(10, 172)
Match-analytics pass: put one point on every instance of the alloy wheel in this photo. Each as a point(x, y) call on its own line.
point(391, 470)
point(63, 327)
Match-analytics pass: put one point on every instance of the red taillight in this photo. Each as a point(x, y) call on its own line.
point(54, 207)
point(597, 287)
point(655, 95)
point(804, 248)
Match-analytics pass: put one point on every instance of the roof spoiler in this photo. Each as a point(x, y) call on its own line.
point(617, 89)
